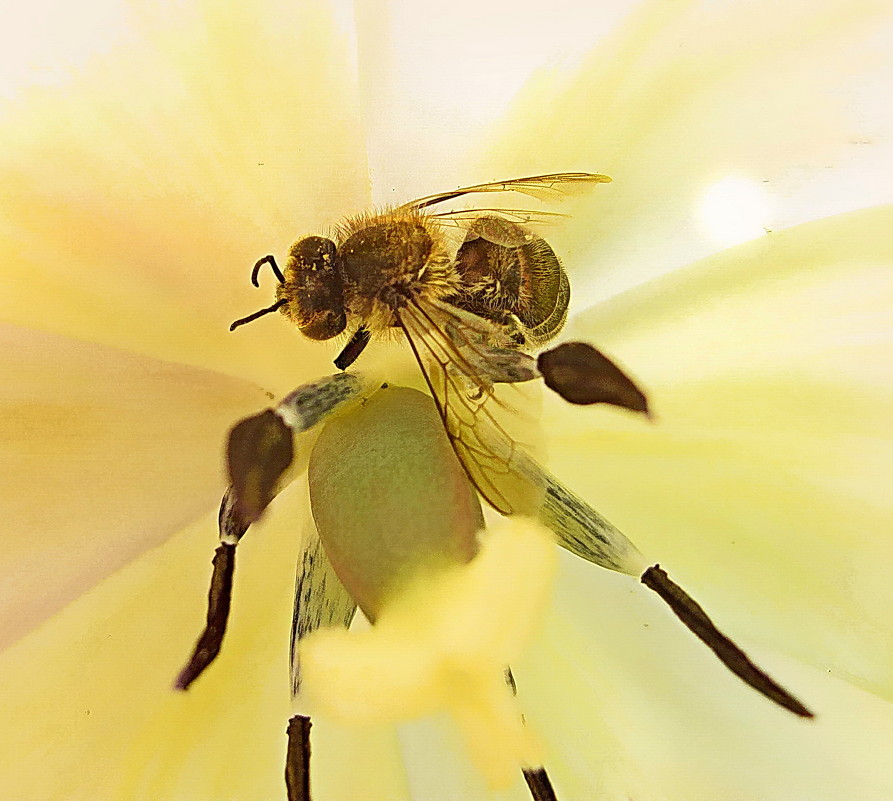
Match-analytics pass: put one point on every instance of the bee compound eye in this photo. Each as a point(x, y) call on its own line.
point(314, 253)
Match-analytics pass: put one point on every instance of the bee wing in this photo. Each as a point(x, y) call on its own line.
point(461, 366)
point(461, 217)
point(536, 186)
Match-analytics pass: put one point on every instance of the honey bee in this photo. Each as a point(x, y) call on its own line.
point(469, 314)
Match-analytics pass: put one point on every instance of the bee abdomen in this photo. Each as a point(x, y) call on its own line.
point(541, 331)
point(506, 269)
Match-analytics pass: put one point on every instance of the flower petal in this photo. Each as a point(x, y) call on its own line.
point(787, 101)
point(105, 455)
point(631, 706)
point(145, 187)
point(765, 475)
point(90, 699)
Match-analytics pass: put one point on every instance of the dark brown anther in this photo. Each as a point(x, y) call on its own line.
point(208, 645)
point(351, 351)
point(697, 621)
point(297, 759)
point(583, 375)
point(539, 785)
point(258, 453)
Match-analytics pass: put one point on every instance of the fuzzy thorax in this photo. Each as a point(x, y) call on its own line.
point(389, 258)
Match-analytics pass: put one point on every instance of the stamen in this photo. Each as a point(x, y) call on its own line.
point(320, 600)
point(297, 759)
point(232, 527)
point(310, 404)
point(208, 645)
point(537, 779)
point(697, 621)
point(582, 530)
point(259, 451)
point(583, 375)
point(538, 782)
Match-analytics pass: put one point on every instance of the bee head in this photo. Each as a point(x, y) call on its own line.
point(312, 254)
point(313, 288)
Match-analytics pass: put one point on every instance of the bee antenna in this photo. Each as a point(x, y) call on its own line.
point(251, 317)
point(273, 266)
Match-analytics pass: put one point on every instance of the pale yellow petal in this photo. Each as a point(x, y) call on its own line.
point(89, 695)
point(789, 98)
point(764, 482)
point(435, 78)
point(633, 706)
point(104, 455)
point(140, 190)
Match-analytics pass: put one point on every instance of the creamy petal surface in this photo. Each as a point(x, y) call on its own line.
point(763, 482)
point(140, 192)
point(105, 455)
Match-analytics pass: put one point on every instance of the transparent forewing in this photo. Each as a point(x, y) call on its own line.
point(541, 187)
point(461, 218)
point(454, 350)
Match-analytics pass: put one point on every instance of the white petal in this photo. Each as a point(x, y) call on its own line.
point(633, 706)
point(790, 97)
point(89, 697)
point(104, 455)
point(763, 485)
point(436, 78)
point(186, 147)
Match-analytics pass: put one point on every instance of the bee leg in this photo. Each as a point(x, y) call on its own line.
point(537, 779)
point(351, 351)
point(232, 528)
point(260, 450)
